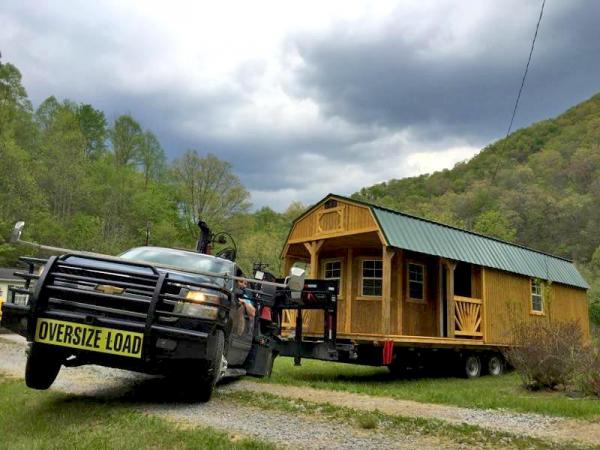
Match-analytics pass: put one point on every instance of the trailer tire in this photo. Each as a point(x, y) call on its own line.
point(210, 369)
point(42, 367)
point(472, 366)
point(495, 365)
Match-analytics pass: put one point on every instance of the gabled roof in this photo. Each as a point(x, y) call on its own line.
point(433, 238)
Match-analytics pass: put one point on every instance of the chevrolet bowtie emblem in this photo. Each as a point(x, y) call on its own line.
point(108, 289)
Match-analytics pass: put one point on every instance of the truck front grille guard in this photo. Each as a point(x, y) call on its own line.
point(69, 289)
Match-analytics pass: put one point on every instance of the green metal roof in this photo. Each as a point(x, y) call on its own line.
point(425, 236)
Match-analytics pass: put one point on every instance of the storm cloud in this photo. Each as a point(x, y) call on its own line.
point(309, 98)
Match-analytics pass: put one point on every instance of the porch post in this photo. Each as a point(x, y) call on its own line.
point(348, 291)
point(450, 266)
point(313, 249)
point(400, 291)
point(386, 290)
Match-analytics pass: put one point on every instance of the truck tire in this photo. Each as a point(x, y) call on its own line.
point(42, 367)
point(495, 365)
point(210, 369)
point(472, 366)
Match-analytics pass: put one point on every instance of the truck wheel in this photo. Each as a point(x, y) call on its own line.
point(472, 366)
point(211, 368)
point(42, 367)
point(495, 365)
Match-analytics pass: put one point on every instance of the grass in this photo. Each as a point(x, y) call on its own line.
point(463, 434)
point(487, 392)
point(50, 420)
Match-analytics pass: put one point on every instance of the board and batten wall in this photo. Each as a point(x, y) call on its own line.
point(507, 298)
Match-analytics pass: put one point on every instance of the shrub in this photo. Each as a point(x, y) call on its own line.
point(590, 373)
point(546, 355)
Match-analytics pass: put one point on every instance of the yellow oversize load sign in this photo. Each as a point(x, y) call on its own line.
point(87, 337)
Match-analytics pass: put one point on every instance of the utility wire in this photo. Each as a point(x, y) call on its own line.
point(537, 27)
point(514, 113)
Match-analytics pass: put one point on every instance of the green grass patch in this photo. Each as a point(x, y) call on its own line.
point(464, 434)
point(487, 392)
point(49, 420)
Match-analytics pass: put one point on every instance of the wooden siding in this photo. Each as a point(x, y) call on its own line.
point(507, 298)
point(421, 318)
point(345, 218)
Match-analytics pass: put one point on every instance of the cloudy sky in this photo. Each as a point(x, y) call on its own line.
point(307, 98)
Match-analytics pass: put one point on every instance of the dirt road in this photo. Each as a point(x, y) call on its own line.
point(151, 395)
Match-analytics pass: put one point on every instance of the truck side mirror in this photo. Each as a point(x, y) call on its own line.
point(16, 232)
point(295, 280)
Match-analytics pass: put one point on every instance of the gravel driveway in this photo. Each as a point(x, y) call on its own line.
point(152, 396)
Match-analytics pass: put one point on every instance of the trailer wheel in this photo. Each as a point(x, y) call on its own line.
point(210, 369)
point(42, 367)
point(472, 366)
point(495, 365)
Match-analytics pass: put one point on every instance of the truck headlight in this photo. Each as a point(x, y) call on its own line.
point(200, 304)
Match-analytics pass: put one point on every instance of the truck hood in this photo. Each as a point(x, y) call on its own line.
point(111, 263)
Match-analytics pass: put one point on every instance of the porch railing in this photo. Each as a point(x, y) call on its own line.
point(467, 316)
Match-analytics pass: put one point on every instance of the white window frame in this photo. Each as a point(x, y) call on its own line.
point(536, 288)
point(340, 279)
point(362, 278)
point(423, 282)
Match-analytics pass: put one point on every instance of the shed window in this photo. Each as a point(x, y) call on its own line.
point(332, 270)
point(372, 272)
point(416, 281)
point(537, 302)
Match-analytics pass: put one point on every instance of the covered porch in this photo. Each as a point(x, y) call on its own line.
point(392, 293)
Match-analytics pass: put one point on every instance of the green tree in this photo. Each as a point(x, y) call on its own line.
point(208, 190)
point(94, 128)
point(494, 223)
point(126, 138)
point(151, 157)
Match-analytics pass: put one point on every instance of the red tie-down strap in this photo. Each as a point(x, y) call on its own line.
point(388, 352)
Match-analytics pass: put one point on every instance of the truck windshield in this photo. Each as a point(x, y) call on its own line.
point(180, 259)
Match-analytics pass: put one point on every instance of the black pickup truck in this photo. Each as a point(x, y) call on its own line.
point(154, 310)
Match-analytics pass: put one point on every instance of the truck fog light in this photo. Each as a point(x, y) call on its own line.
point(166, 344)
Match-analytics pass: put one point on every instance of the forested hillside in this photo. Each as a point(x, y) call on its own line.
point(81, 182)
point(540, 187)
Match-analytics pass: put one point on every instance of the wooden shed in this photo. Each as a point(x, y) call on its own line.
point(412, 280)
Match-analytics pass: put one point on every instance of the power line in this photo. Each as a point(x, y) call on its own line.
point(537, 27)
point(514, 113)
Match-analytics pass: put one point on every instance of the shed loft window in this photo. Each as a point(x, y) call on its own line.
point(332, 270)
point(416, 281)
point(372, 272)
point(537, 302)
point(330, 204)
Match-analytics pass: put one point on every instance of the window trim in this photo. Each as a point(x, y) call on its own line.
point(536, 312)
point(424, 267)
point(340, 279)
point(360, 295)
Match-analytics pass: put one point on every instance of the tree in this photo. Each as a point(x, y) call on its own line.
point(93, 126)
point(125, 136)
point(494, 223)
point(208, 190)
point(13, 96)
point(61, 159)
point(151, 157)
